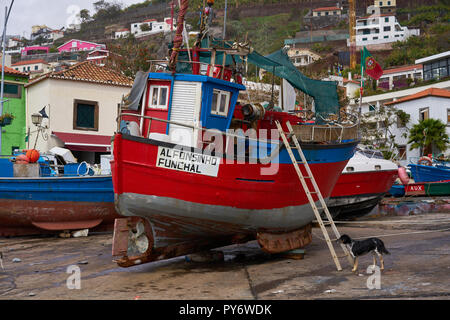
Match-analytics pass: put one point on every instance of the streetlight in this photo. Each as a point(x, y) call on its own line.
point(36, 119)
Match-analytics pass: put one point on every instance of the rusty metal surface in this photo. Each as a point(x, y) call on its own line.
point(166, 241)
point(72, 225)
point(17, 217)
point(277, 243)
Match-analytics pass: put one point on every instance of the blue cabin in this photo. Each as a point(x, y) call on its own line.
point(194, 100)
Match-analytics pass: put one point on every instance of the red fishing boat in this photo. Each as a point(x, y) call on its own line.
point(365, 180)
point(195, 169)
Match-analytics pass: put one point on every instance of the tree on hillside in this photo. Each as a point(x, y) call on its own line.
point(427, 134)
point(129, 55)
point(84, 15)
point(107, 10)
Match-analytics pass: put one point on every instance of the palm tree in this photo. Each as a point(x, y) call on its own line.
point(428, 133)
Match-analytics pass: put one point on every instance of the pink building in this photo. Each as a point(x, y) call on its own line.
point(28, 51)
point(75, 45)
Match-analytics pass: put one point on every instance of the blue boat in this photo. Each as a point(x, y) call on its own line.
point(397, 190)
point(431, 173)
point(62, 198)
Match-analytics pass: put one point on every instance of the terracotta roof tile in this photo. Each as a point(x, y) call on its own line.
point(327, 9)
point(425, 93)
point(14, 72)
point(27, 62)
point(89, 72)
point(403, 69)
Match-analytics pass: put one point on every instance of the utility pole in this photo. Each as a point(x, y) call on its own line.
point(7, 12)
point(225, 20)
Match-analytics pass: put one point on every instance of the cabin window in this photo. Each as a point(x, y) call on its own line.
point(220, 103)
point(159, 96)
point(85, 115)
point(350, 169)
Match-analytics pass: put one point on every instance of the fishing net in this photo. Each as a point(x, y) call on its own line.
point(325, 94)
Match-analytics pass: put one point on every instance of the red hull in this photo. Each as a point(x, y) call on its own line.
point(237, 185)
point(361, 183)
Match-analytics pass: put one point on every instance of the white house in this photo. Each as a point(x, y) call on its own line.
point(430, 103)
point(351, 86)
point(82, 104)
point(33, 67)
point(150, 27)
point(394, 78)
point(122, 33)
point(381, 29)
point(302, 57)
point(327, 11)
point(436, 66)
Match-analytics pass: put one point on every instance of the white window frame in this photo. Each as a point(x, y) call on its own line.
point(161, 105)
point(220, 93)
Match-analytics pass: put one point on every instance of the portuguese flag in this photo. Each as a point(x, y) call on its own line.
point(370, 66)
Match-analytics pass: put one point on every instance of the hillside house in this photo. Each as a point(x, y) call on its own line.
point(98, 57)
point(398, 77)
point(13, 135)
point(75, 45)
point(381, 29)
point(302, 57)
point(122, 33)
point(436, 66)
point(430, 103)
point(386, 6)
point(82, 104)
point(33, 67)
point(151, 27)
point(327, 11)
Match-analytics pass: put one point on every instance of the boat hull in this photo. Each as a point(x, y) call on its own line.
point(423, 173)
point(356, 194)
point(44, 205)
point(238, 201)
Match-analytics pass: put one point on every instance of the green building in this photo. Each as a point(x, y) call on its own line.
point(13, 134)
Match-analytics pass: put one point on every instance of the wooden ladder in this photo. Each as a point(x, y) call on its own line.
point(310, 193)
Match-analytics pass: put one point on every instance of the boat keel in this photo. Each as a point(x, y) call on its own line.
point(278, 243)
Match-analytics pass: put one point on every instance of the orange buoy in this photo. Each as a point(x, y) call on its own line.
point(33, 155)
point(403, 175)
point(22, 159)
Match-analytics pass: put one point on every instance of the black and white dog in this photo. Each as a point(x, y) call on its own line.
point(360, 248)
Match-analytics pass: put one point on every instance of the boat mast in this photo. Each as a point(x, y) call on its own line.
point(178, 40)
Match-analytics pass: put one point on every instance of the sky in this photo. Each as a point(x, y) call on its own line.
point(53, 13)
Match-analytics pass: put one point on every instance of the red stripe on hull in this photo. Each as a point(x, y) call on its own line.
point(371, 182)
point(237, 185)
